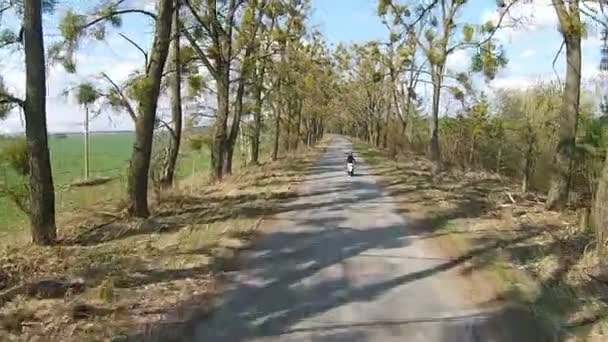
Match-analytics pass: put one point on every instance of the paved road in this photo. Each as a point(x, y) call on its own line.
point(340, 264)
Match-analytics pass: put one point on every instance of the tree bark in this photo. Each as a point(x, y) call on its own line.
point(564, 153)
point(42, 191)
point(238, 113)
point(137, 183)
point(320, 130)
point(223, 111)
point(378, 134)
point(277, 134)
point(386, 126)
point(528, 163)
point(298, 124)
point(257, 119)
point(435, 148)
point(471, 158)
point(288, 124)
point(499, 160)
point(176, 106)
point(600, 207)
point(234, 127)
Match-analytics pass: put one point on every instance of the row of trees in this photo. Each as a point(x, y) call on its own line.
point(523, 133)
point(257, 59)
point(253, 57)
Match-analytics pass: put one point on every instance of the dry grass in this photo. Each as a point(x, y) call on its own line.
point(136, 274)
point(542, 260)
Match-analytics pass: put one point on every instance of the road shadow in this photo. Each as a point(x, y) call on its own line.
point(276, 288)
point(568, 300)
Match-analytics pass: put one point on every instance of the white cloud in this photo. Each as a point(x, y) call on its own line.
point(459, 60)
point(63, 114)
point(523, 18)
point(528, 53)
point(512, 82)
point(538, 15)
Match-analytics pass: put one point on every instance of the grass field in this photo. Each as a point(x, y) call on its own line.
point(109, 157)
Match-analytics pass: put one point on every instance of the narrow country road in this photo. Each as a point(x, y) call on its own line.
point(340, 264)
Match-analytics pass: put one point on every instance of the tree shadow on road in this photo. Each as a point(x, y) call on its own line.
point(278, 287)
point(555, 261)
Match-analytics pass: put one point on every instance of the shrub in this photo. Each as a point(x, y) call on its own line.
point(14, 157)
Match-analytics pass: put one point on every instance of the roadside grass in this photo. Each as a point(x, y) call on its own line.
point(112, 276)
point(109, 157)
point(533, 258)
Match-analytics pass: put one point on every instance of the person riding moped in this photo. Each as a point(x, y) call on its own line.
point(350, 159)
point(350, 164)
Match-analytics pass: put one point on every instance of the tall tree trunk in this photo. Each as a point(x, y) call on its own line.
point(246, 72)
point(176, 106)
point(499, 160)
point(277, 124)
point(137, 183)
point(235, 126)
point(472, 153)
point(600, 207)
point(407, 130)
point(277, 134)
point(257, 119)
point(434, 148)
point(376, 134)
point(298, 124)
point(288, 124)
point(223, 111)
point(386, 126)
point(313, 136)
point(42, 191)
point(528, 165)
point(564, 153)
point(228, 157)
point(86, 142)
point(306, 137)
point(320, 129)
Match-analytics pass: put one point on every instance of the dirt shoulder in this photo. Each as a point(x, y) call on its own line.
point(517, 252)
point(111, 276)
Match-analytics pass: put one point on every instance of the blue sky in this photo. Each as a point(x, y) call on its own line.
point(530, 50)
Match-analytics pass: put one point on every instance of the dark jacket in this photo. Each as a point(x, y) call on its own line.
point(350, 159)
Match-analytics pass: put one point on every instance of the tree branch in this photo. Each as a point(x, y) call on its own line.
point(561, 47)
point(199, 51)
point(120, 12)
point(125, 101)
point(198, 18)
point(143, 52)
point(500, 19)
point(10, 99)
point(168, 127)
point(593, 14)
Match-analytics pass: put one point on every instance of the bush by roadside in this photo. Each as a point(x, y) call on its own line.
point(112, 276)
point(543, 260)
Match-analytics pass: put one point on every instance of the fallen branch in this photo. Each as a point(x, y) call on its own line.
point(510, 197)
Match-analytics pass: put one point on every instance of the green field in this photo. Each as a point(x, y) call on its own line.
point(109, 157)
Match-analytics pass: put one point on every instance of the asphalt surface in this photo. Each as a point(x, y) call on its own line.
point(340, 264)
